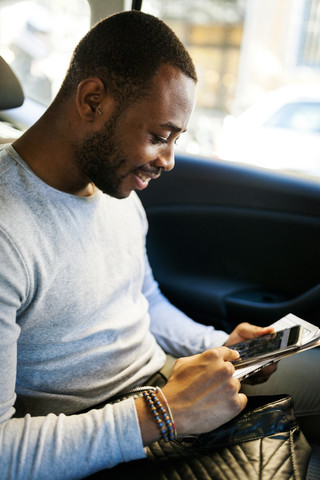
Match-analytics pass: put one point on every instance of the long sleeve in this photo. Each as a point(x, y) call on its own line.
point(55, 446)
point(175, 332)
point(68, 447)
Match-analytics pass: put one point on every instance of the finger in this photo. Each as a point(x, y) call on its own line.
point(237, 384)
point(248, 331)
point(269, 369)
point(243, 400)
point(262, 376)
point(228, 354)
point(263, 331)
point(257, 379)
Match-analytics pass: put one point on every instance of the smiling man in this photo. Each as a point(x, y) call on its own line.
point(81, 316)
point(117, 148)
point(121, 107)
point(136, 144)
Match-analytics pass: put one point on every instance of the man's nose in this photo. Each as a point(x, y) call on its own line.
point(165, 159)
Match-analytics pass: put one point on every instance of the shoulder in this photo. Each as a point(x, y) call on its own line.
point(13, 187)
point(6, 159)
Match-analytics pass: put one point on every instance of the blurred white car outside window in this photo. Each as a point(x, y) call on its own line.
point(281, 132)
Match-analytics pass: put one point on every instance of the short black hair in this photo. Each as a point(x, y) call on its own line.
point(125, 51)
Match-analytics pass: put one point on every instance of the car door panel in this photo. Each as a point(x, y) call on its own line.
point(230, 243)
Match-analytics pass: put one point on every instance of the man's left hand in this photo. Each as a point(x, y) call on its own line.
point(246, 331)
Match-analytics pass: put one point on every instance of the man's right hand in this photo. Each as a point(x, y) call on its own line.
point(202, 394)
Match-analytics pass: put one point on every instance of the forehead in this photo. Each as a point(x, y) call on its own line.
point(169, 82)
point(170, 98)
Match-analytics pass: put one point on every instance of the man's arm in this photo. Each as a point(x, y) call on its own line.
point(55, 446)
point(175, 332)
point(69, 447)
point(178, 334)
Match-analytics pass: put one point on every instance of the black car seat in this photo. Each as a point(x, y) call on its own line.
point(11, 96)
point(11, 93)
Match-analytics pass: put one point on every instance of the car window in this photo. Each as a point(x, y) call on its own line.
point(37, 38)
point(249, 54)
point(302, 116)
point(212, 32)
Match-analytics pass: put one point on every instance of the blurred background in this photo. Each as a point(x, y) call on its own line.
point(258, 63)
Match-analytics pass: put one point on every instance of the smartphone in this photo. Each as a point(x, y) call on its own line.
point(269, 345)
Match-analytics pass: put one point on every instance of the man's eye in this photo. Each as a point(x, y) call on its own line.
point(157, 139)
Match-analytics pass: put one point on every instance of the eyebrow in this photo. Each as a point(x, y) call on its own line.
point(172, 127)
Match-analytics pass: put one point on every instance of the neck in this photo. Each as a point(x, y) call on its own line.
point(47, 148)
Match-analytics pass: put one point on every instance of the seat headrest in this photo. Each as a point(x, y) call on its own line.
point(11, 93)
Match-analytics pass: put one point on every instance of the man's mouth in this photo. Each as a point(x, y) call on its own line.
point(149, 172)
point(144, 176)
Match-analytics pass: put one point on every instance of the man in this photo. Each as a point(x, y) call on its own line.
point(82, 318)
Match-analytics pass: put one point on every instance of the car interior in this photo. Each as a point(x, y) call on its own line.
point(227, 242)
point(11, 96)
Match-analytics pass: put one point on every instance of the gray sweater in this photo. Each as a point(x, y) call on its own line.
point(81, 318)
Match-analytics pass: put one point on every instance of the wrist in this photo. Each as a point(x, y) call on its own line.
point(155, 417)
point(148, 428)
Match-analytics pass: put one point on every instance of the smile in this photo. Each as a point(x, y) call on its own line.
point(147, 175)
point(143, 177)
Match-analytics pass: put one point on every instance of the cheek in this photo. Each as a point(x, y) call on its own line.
point(142, 151)
point(137, 144)
point(148, 152)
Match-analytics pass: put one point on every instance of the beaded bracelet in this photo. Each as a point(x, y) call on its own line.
point(167, 428)
point(158, 389)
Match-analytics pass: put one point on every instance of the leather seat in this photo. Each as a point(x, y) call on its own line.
point(11, 96)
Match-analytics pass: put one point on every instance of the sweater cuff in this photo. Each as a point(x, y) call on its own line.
point(128, 429)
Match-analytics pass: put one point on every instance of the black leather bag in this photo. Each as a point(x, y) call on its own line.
point(264, 442)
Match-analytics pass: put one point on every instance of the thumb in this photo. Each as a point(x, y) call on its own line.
point(248, 331)
point(229, 355)
point(262, 331)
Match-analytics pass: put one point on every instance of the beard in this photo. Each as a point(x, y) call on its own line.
point(101, 159)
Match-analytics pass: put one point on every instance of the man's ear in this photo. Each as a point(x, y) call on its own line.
point(92, 100)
